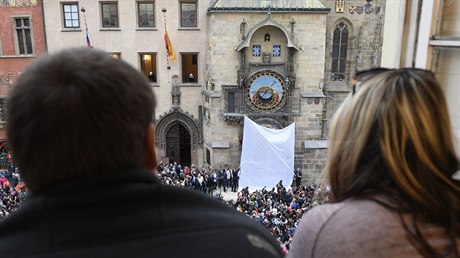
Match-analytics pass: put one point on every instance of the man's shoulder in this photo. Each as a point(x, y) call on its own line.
point(202, 219)
point(199, 208)
point(208, 220)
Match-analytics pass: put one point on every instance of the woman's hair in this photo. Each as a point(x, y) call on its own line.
point(394, 137)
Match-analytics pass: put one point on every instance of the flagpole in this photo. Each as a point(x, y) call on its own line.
point(88, 42)
point(168, 67)
point(164, 22)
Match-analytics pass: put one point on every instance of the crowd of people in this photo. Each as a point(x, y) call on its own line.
point(205, 180)
point(12, 192)
point(278, 209)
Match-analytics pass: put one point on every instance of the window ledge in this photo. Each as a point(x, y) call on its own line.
point(212, 94)
point(233, 118)
point(318, 144)
point(312, 95)
point(339, 86)
point(195, 84)
point(19, 56)
point(266, 64)
point(444, 43)
point(146, 29)
point(109, 29)
point(220, 145)
point(189, 28)
point(71, 30)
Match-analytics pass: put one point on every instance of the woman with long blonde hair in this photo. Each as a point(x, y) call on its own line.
point(390, 167)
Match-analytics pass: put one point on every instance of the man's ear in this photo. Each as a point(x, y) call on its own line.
point(150, 154)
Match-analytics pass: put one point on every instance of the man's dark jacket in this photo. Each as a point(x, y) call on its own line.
point(130, 214)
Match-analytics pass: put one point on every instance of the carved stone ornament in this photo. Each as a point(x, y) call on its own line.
point(241, 75)
point(290, 81)
point(267, 57)
point(210, 85)
point(18, 3)
point(352, 9)
point(175, 94)
point(271, 123)
point(339, 6)
point(368, 8)
point(233, 119)
point(174, 116)
point(6, 80)
point(280, 119)
point(206, 117)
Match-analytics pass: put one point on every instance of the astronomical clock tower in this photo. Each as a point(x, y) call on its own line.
point(267, 63)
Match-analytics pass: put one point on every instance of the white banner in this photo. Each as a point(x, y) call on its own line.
point(267, 156)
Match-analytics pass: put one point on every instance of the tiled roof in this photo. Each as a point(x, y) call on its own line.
point(273, 5)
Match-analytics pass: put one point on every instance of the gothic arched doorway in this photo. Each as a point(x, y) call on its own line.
point(178, 138)
point(178, 145)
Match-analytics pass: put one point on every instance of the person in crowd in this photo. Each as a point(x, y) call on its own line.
point(152, 77)
point(214, 179)
point(235, 178)
point(390, 166)
point(80, 126)
point(297, 177)
point(160, 166)
point(228, 174)
point(3, 181)
point(177, 168)
point(208, 184)
point(279, 187)
point(224, 179)
point(220, 177)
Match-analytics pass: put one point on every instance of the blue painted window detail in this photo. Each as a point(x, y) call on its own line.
point(255, 50)
point(276, 50)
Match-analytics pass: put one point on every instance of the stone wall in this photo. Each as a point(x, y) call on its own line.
point(314, 162)
point(130, 40)
point(224, 62)
point(365, 34)
point(364, 48)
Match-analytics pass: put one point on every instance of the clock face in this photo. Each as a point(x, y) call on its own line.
point(266, 90)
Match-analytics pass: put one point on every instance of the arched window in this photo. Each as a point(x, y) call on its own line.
point(339, 52)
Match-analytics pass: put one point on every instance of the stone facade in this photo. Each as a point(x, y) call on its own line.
point(365, 20)
point(130, 40)
point(227, 64)
point(14, 56)
point(211, 109)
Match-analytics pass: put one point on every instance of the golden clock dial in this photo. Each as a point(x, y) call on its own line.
point(266, 90)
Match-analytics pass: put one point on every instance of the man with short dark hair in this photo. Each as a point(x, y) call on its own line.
point(80, 127)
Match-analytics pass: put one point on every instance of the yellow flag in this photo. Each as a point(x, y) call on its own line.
point(169, 48)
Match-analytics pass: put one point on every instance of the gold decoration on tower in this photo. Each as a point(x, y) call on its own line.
point(339, 6)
